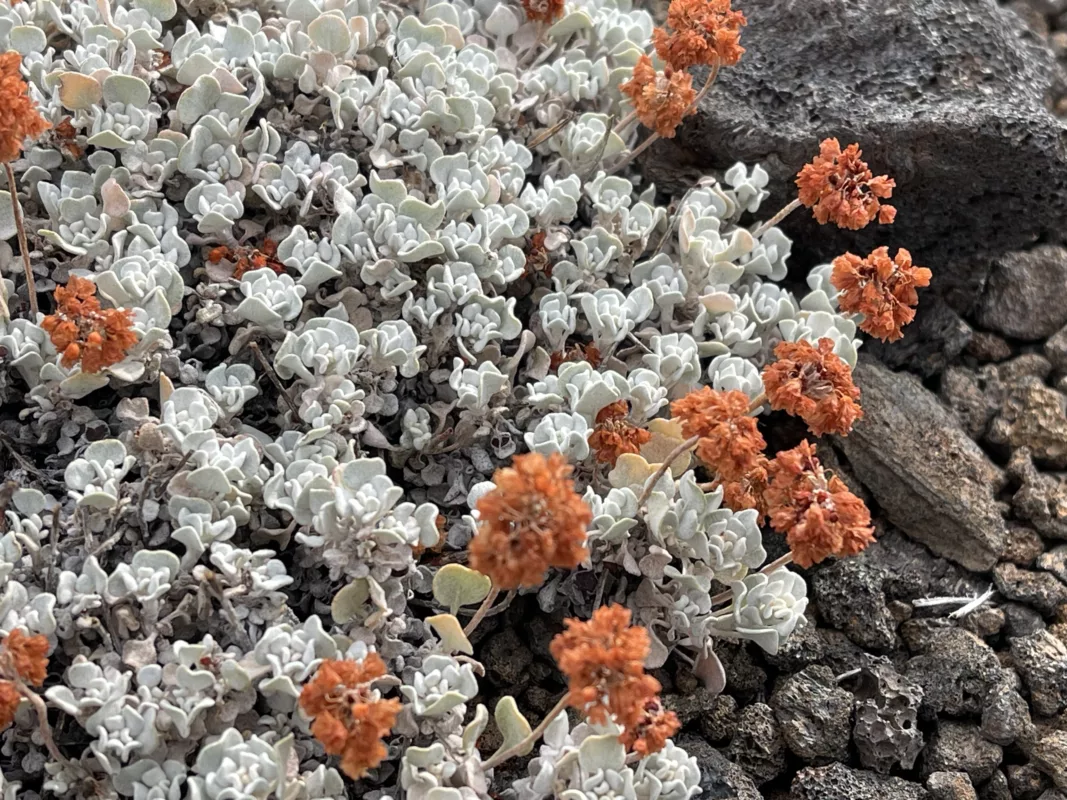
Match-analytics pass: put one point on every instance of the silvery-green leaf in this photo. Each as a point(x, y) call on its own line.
point(199, 99)
point(162, 10)
point(330, 33)
point(571, 23)
point(27, 39)
point(443, 704)
point(450, 632)
point(109, 140)
point(126, 89)
point(349, 601)
point(603, 752)
point(455, 585)
point(429, 216)
point(513, 726)
point(8, 228)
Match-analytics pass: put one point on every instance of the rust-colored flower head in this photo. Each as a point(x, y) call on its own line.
point(813, 383)
point(543, 10)
point(660, 99)
point(83, 331)
point(350, 717)
point(839, 187)
point(9, 703)
point(730, 442)
point(531, 521)
point(614, 435)
point(881, 289)
point(25, 657)
point(650, 728)
point(817, 513)
point(19, 118)
point(700, 32)
point(748, 490)
point(603, 660)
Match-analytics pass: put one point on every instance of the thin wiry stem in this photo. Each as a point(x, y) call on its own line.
point(45, 729)
point(502, 756)
point(24, 245)
point(483, 609)
point(680, 450)
point(262, 359)
point(792, 206)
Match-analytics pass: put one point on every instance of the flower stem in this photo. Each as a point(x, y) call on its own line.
point(681, 449)
point(502, 756)
point(42, 722)
point(634, 153)
point(625, 121)
point(483, 609)
point(704, 89)
point(258, 353)
point(792, 206)
point(16, 209)
point(757, 403)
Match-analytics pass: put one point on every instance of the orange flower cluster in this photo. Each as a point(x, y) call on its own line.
point(838, 186)
point(247, 258)
point(813, 384)
point(531, 521)
point(350, 719)
point(83, 331)
point(543, 10)
point(730, 441)
point(19, 118)
point(580, 352)
point(880, 288)
point(700, 32)
point(818, 514)
point(22, 658)
point(660, 99)
point(748, 490)
point(614, 435)
point(603, 660)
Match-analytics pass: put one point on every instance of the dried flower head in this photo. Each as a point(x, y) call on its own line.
point(579, 352)
point(839, 187)
point(650, 728)
point(817, 513)
point(9, 703)
point(603, 660)
point(543, 10)
point(615, 435)
point(531, 521)
point(813, 383)
point(881, 289)
point(83, 331)
point(748, 490)
point(247, 258)
point(350, 718)
point(19, 118)
point(700, 32)
point(730, 442)
point(660, 99)
point(25, 657)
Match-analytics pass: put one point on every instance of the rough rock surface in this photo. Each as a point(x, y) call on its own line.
point(1042, 590)
point(1016, 297)
point(1041, 660)
point(1055, 561)
point(887, 708)
point(1026, 781)
point(758, 747)
point(947, 96)
point(838, 782)
point(1041, 498)
point(1056, 349)
point(1033, 416)
point(1006, 717)
point(1050, 756)
point(951, 786)
point(930, 344)
point(960, 747)
point(931, 480)
point(850, 598)
point(957, 671)
point(813, 713)
point(719, 779)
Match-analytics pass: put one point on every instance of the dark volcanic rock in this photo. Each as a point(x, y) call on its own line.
point(1016, 298)
point(1050, 756)
point(1041, 659)
point(887, 707)
point(814, 713)
point(1032, 416)
point(1042, 590)
point(929, 477)
point(719, 779)
point(850, 598)
point(957, 671)
point(1041, 498)
point(758, 747)
point(1056, 349)
point(930, 343)
point(838, 782)
point(1006, 717)
point(1055, 561)
point(947, 96)
point(959, 747)
point(1026, 781)
point(1021, 620)
point(951, 786)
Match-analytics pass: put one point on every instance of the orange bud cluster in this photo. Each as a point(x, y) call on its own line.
point(84, 332)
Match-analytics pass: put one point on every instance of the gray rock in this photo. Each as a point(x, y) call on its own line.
point(1033, 416)
point(930, 479)
point(1026, 781)
point(1021, 620)
point(758, 748)
point(849, 597)
point(951, 786)
point(507, 661)
point(1023, 365)
point(886, 730)
point(984, 622)
point(964, 390)
point(1055, 561)
point(743, 675)
point(957, 672)
point(959, 747)
point(813, 713)
point(690, 706)
point(931, 342)
point(988, 347)
point(1056, 349)
point(719, 779)
point(1038, 589)
point(838, 782)
point(963, 73)
point(1016, 300)
point(1023, 545)
point(719, 723)
point(911, 571)
point(803, 647)
point(996, 788)
point(1041, 660)
point(1050, 756)
point(1006, 717)
point(1041, 498)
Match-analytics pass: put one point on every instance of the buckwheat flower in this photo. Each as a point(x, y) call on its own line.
point(700, 32)
point(650, 728)
point(543, 10)
point(817, 513)
point(660, 99)
point(879, 288)
point(350, 718)
point(19, 118)
point(748, 491)
point(730, 441)
point(813, 383)
point(83, 331)
point(614, 435)
point(532, 520)
point(603, 660)
point(839, 187)
point(25, 656)
point(9, 703)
